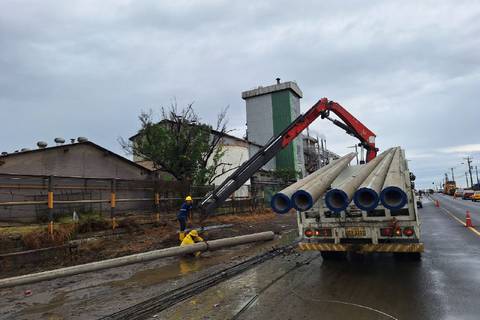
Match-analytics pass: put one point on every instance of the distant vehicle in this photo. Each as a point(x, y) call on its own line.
point(458, 193)
point(476, 196)
point(449, 187)
point(467, 194)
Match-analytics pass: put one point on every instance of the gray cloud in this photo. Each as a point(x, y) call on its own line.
point(409, 70)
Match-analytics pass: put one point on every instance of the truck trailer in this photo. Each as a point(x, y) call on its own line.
point(362, 231)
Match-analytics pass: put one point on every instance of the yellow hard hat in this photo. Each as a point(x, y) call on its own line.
point(188, 198)
point(194, 233)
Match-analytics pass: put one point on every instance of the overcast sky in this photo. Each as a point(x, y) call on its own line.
point(409, 70)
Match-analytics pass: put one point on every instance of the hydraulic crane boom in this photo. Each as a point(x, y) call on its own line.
point(322, 108)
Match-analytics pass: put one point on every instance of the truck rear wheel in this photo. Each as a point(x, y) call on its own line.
point(333, 255)
point(410, 256)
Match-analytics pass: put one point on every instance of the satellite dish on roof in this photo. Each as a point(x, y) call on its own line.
point(59, 141)
point(42, 144)
point(82, 139)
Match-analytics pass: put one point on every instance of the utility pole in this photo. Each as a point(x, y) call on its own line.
point(453, 176)
point(476, 171)
point(469, 161)
point(446, 177)
point(466, 178)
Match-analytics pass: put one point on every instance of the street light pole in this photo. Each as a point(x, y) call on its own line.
point(466, 178)
point(453, 176)
point(469, 161)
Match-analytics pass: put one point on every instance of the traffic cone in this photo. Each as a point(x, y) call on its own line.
point(468, 220)
point(437, 204)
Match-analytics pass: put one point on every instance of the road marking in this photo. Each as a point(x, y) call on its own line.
point(461, 222)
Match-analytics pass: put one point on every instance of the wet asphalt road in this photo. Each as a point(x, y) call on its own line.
point(458, 207)
point(445, 284)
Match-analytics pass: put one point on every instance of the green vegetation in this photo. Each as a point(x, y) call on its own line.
point(181, 145)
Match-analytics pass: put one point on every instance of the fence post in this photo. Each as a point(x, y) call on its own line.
point(50, 205)
point(157, 205)
point(113, 203)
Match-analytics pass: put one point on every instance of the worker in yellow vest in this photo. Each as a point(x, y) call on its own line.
point(191, 238)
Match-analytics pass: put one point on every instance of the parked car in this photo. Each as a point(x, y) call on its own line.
point(467, 194)
point(476, 196)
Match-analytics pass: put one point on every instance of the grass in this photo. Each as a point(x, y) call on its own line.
point(43, 239)
point(19, 230)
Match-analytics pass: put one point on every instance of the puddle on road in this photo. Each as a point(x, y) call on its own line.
point(187, 265)
point(174, 268)
point(45, 309)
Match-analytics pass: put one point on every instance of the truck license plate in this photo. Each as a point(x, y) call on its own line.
point(355, 232)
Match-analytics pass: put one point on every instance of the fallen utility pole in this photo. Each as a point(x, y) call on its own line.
point(136, 258)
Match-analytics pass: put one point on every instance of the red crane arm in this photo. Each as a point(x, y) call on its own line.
point(350, 124)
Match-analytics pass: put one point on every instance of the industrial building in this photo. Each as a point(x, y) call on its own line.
point(270, 110)
point(83, 159)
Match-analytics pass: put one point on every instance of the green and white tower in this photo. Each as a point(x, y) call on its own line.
point(269, 111)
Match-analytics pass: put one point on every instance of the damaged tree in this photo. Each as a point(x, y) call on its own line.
point(181, 145)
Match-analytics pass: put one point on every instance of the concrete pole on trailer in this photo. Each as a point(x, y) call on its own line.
point(304, 198)
point(281, 202)
point(136, 258)
point(339, 198)
point(367, 195)
point(393, 195)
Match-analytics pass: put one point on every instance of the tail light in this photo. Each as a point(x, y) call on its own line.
point(308, 233)
point(324, 232)
point(408, 232)
point(386, 232)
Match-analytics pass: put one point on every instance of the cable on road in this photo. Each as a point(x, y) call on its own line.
point(298, 295)
point(163, 301)
point(344, 303)
point(255, 298)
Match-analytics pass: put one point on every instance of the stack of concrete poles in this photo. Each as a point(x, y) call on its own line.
point(393, 195)
point(368, 194)
point(381, 180)
point(283, 201)
point(339, 198)
point(304, 198)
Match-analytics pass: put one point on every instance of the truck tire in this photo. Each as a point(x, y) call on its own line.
point(408, 256)
point(333, 255)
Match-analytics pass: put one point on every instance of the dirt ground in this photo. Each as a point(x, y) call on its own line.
point(145, 238)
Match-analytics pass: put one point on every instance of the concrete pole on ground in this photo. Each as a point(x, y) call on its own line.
point(136, 258)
